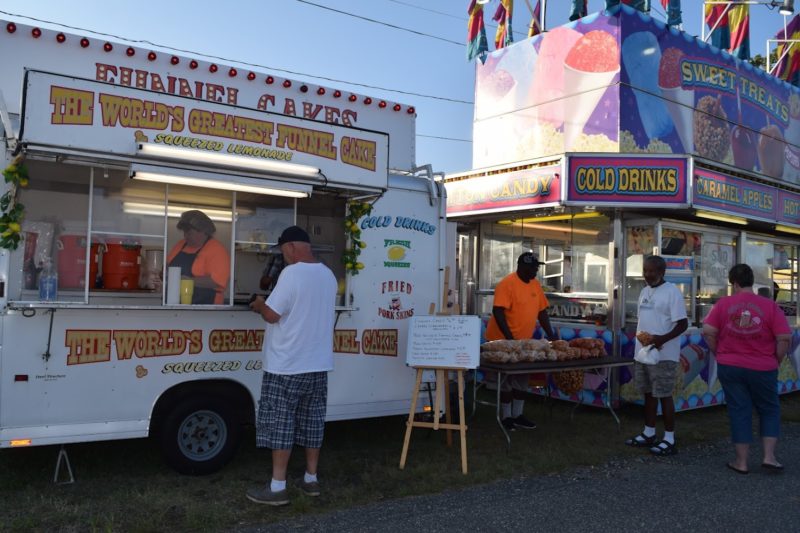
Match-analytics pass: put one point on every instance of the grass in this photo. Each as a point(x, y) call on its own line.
point(125, 486)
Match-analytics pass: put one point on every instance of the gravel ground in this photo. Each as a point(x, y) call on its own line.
point(691, 491)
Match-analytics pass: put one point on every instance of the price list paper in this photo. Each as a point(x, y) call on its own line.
point(451, 341)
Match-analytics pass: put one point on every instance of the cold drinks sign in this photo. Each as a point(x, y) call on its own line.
point(626, 180)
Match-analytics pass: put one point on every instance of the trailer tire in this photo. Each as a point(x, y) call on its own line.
point(199, 435)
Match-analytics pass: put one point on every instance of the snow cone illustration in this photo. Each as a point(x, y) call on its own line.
point(679, 101)
point(641, 55)
point(589, 68)
point(547, 89)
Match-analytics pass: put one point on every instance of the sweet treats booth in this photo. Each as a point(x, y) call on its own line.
point(615, 137)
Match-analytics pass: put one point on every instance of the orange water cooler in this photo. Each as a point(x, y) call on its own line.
point(72, 261)
point(121, 265)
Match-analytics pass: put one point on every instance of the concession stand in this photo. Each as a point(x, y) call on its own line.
point(110, 151)
point(616, 137)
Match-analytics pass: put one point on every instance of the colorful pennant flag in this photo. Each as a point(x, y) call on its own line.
point(503, 37)
point(535, 27)
point(788, 68)
point(673, 9)
point(739, 25)
point(579, 9)
point(476, 31)
point(717, 21)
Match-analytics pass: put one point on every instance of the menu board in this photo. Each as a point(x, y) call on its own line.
point(448, 341)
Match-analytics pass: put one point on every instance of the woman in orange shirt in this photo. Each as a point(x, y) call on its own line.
point(201, 257)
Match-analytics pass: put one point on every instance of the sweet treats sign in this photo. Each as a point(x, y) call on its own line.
point(562, 91)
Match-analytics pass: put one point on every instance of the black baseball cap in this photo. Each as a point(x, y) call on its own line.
point(528, 259)
point(293, 234)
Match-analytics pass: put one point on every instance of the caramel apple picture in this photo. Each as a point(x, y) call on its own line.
point(712, 137)
point(770, 151)
point(743, 143)
point(743, 147)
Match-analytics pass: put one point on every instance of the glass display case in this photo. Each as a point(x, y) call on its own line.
point(698, 260)
point(574, 254)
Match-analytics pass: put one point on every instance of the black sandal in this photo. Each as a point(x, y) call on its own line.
point(641, 441)
point(664, 448)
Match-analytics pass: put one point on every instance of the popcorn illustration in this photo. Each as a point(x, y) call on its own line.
point(679, 101)
point(589, 68)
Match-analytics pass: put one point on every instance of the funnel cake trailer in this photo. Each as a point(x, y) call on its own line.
point(117, 141)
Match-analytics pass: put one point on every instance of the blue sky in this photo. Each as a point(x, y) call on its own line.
point(427, 69)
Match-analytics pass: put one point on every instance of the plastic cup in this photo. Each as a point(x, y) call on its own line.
point(187, 291)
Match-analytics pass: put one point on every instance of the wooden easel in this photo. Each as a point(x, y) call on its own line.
point(441, 385)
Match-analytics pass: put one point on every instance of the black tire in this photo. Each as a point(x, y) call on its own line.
point(199, 435)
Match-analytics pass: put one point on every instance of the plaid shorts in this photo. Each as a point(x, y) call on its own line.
point(658, 379)
point(292, 410)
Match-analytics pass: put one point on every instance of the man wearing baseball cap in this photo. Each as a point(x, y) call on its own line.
point(298, 354)
point(201, 257)
point(519, 302)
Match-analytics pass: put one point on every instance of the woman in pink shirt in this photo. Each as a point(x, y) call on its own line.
point(750, 336)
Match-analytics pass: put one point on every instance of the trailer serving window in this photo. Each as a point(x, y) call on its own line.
point(109, 238)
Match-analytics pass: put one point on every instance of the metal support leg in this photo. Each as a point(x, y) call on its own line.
point(500, 377)
point(62, 456)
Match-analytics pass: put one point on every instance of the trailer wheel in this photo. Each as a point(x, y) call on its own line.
point(199, 435)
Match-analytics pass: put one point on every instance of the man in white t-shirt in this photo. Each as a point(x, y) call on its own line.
point(662, 320)
point(298, 354)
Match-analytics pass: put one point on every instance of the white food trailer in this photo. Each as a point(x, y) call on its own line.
point(117, 142)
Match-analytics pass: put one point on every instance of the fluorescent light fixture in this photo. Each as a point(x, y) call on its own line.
point(732, 219)
point(227, 182)
point(175, 211)
point(552, 218)
point(227, 160)
point(528, 223)
point(787, 229)
point(481, 2)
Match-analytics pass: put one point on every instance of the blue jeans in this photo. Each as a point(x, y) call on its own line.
point(745, 389)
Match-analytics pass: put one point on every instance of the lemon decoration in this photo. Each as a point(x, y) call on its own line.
point(11, 211)
point(355, 210)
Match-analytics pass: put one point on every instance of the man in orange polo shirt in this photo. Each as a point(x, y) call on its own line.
point(519, 302)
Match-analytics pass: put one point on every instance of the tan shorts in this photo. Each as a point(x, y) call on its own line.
point(658, 379)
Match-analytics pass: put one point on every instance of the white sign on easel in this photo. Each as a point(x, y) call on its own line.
point(446, 341)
